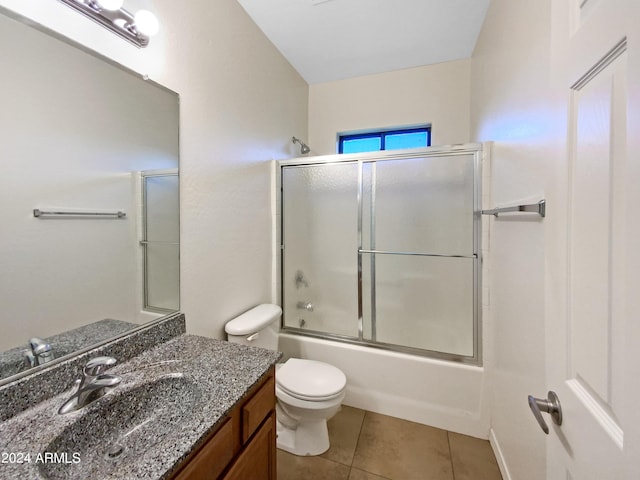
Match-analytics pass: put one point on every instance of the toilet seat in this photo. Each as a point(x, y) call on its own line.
point(309, 398)
point(310, 380)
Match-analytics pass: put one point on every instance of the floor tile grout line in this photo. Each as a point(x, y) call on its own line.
point(358, 441)
point(356, 449)
point(453, 470)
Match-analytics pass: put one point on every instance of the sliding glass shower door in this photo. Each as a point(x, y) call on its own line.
point(418, 252)
point(383, 250)
point(320, 267)
point(161, 241)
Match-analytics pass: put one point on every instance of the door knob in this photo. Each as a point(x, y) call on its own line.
point(550, 405)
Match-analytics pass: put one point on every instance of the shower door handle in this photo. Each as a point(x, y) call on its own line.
point(550, 405)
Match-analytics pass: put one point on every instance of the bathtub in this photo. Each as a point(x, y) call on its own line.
point(443, 394)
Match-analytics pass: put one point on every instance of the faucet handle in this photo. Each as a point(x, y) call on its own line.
point(308, 306)
point(97, 365)
point(39, 346)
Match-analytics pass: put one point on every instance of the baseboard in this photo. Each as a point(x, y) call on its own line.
point(502, 464)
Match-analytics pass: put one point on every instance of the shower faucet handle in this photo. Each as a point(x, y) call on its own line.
point(308, 306)
point(300, 280)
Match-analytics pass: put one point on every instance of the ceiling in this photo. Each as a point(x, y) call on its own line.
point(329, 40)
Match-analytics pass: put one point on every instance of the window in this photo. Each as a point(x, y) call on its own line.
point(385, 140)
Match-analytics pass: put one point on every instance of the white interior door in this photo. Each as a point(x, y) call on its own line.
point(591, 296)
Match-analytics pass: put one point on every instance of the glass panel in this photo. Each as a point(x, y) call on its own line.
point(358, 145)
point(405, 140)
point(162, 276)
point(368, 204)
point(162, 232)
point(320, 218)
point(162, 208)
point(423, 205)
point(368, 297)
point(421, 302)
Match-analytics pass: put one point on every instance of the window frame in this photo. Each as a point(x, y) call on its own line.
point(382, 134)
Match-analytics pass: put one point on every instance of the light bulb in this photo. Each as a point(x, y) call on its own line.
point(146, 23)
point(110, 4)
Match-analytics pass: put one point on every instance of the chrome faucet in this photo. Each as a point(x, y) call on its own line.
point(40, 352)
point(93, 384)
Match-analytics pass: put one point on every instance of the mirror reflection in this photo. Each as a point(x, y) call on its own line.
point(83, 139)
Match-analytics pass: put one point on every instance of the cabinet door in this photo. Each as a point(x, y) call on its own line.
point(257, 409)
point(258, 460)
point(213, 458)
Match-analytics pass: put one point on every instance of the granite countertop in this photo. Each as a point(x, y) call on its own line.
point(13, 361)
point(200, 380)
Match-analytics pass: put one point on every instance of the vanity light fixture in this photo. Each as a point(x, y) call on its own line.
point(136, 29)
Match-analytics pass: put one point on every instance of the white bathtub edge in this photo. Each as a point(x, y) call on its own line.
point(433, 415)
point(432, 392)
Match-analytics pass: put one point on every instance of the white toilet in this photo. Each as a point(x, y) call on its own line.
point(308, 392)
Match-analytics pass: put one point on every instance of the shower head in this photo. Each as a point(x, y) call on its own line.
point(304, 148)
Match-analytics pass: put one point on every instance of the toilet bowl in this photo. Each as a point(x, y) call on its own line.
point(308, 392)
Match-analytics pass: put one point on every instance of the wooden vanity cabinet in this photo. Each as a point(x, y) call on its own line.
point(258, 460)
point(244, 445)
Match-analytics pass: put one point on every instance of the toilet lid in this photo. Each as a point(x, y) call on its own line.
point(310, 379)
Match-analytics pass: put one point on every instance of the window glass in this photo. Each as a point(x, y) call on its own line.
point(366, 144)
point(406, 140)
point(385, 140)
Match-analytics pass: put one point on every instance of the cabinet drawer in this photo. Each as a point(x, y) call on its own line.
point(212, 458)
point(257, 408)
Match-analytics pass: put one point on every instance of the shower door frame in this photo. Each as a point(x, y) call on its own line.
point(474, 149)
point(145, 242)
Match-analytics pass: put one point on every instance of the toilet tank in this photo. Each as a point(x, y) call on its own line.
point(258, 327)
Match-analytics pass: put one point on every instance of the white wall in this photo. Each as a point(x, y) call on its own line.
point(240, 104)
point(436, 94)
point(513, 105)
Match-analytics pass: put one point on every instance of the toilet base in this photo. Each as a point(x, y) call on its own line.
point(307, 439)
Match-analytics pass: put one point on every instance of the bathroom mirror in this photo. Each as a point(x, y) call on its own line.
point(82, 140)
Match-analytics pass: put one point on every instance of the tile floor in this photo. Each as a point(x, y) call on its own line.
point(370, 446)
